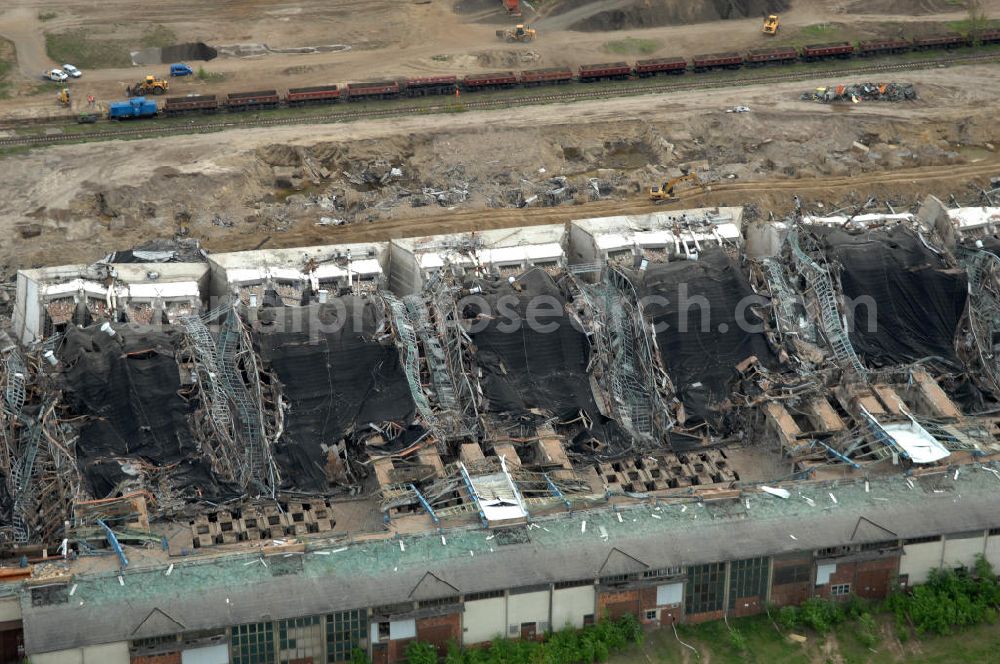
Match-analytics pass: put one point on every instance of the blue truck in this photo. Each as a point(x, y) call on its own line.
point(136, 107)
point(180, 69)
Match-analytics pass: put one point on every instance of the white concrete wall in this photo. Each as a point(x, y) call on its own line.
point(109, 653)
point(404, 272)
point(10, 609)
point(27, 317)
point(993, 552)
point(526, 608)
point(208, 655)
point(919, 559)
point(581, 246)
point(570, 605)
point(764, 239)
point(958, 552)
point(484, 620)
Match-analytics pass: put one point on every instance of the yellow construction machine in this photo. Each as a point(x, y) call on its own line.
point(771, 25)
point(519, 33)
point(149, 85)
point(665, 192)
point(63, 97)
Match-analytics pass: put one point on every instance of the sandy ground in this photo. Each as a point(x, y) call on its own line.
point(222, 188)
point(396, 38)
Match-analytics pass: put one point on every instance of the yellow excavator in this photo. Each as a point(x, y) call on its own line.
point(63, 97)
point(519, 33)
point(771, 25)
point(666, 191)
point(149, 85)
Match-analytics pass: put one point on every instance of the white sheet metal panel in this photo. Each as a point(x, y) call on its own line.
point(208, 655)
point(109, 653)
point(484, 620)
point(958, 552)
point(669, 593)
point(570, 605)
point(824, 572)
point(402, 629)
point(919, 559)
point(528, 607)
point(993, 551)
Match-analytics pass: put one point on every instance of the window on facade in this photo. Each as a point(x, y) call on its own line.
point(588, 620)
point(662, 572)
point(253, 643)
point(344, 632)
point(831, 551)
point(300, 639)
point(840, 590)
point(922, 540)
point(573, 584)
point(651, 615)
point(876, 546)
point(486, 595)
point(615, 579)
point(792, 574)
point(747, 578)
point(705, 588)
point(157, 643)
point(383, 631)
point(443, 601)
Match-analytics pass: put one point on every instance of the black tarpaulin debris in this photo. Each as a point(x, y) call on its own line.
point(704, 327)
point(336, 378)
point(918, 298)
point(128, 386)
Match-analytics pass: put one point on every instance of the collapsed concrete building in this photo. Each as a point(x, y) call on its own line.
point(315, 408)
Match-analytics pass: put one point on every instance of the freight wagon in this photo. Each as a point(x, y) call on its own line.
point(712, 61)
point(204, 104)
point(883, 47)
point(949, 40)
point(657, 66)
point(372, 90)
point(536, 77)
point(493, 81)
point(431, 85)
point(316, 94)
point(842, 50)
point(252, 101)
point(771, 56)
point(612, 71)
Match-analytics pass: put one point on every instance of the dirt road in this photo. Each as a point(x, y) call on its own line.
point(21, 26)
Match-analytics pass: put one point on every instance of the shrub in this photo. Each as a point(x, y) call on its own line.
point(820, 614)
point(421, 653)
point(359, 656)
point(788, 617)
point(867, 631)
point(737, 640)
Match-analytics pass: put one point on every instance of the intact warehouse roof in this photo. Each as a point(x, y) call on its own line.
point(332, 576)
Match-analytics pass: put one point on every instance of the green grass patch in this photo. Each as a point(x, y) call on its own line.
point(209, 76)
point(632, 46)
point(81, 48)
point(46, 16)
point(8, 57)
point(967, 25)
point(818, 30)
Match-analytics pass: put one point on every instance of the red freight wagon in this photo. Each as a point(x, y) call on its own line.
point(373, 90)
point(880, 46)
point(534, 77)
point(430, 85)
point(949, 40)
point(607, 72)
point(646, 68)
point(494, 80)
point(191, 104)
point(317, 94)
point(764, 56)
point(989, 37)
point(252, 101)
point(820, 51)
point(717, 61)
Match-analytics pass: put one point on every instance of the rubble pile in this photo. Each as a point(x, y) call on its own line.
point(859, 92)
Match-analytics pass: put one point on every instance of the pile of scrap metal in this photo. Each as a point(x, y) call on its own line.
point(859, 92)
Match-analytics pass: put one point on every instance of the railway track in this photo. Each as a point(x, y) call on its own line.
point(149, 129)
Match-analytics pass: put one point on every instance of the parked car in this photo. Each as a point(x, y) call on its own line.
point(72, 71)
point(57, 75)
point(180, 69)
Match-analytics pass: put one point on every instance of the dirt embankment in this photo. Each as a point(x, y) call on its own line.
point(604, 16)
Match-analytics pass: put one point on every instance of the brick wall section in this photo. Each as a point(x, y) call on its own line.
point(439, 630)
point(396, 650)
point(695, 618)
point(615, 604)
point(870, 579)
point(748, 606)
point(168, 658)
point(791, 594)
